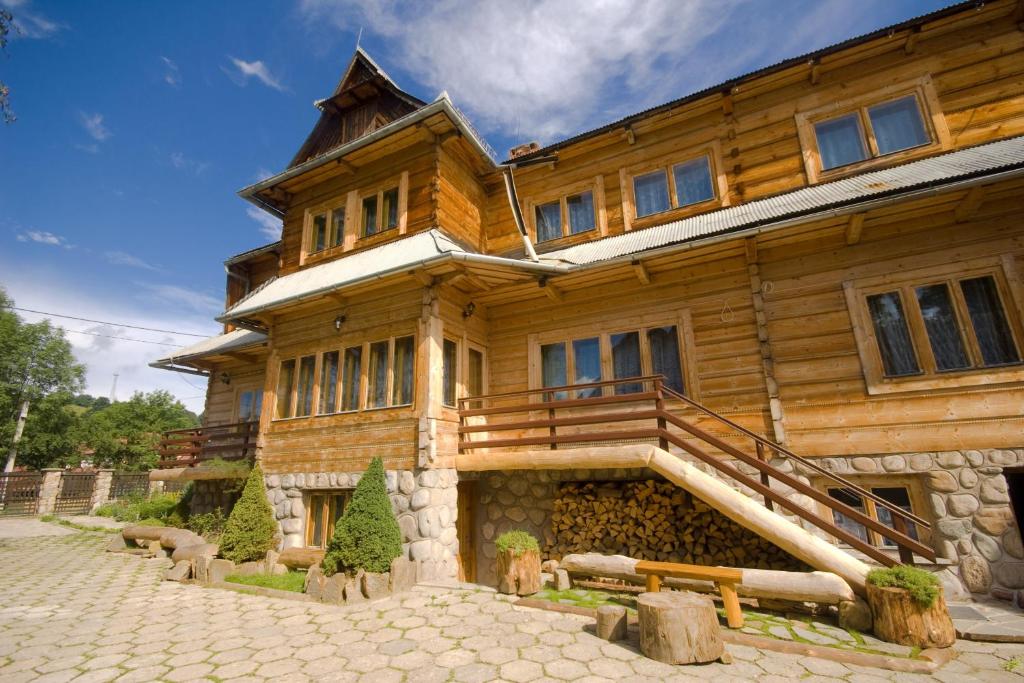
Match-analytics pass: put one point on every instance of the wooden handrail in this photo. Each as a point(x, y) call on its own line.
point(188, 447)
point(898, 535)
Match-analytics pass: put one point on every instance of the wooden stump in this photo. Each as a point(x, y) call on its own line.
point(898, 619)
point(519, 575)
point(679, 628)
point(611, 622)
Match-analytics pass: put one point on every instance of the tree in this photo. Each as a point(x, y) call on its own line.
point(6, 25)
point(35, 361)
point(126, 434)
point(51, 437)
point(250, 530)
point(367, 536)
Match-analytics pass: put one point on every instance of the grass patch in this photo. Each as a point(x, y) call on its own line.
point(922, 585)
point(292, 581)
point(1013, 664)
point(54, 519)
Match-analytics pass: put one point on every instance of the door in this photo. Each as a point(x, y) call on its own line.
point(466, 528)
point(1015, 486)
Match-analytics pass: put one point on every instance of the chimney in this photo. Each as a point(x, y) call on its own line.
point(523, 150)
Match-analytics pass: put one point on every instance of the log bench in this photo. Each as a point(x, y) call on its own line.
point(724, 578)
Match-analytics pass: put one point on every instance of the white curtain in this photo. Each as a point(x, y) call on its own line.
point(553, 368)
point(941, 324)
point(693, 181)
point(897, 125)
point(626, 360)
point(892, 334)
point(651, 193)
point(581, 212)
point(664, 343)
point(840, 141)
point(989, 321)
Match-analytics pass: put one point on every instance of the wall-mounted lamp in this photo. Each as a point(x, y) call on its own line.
point(225, 378)
point(469, 310)
point(338, 322)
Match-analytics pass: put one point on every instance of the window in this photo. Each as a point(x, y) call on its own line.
point(304, 394)
point(390, 362)
point(570, 215)
point(250, 404)
point(351, 373)
point(337, 227)
point(285, 388)
point(475, 375)
point(377, 376)
point(616, 355)
point(683, 184)
point(943, 327)
point(370, 225)
point(328, 383)
point(325, 229)
point(319, 232)
point(323, 512)
point(380, 211)
point(389, 215)
point(405, 361)
point(450, 356)
point(901, 492)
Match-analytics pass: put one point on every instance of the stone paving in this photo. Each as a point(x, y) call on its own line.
point(69, 611)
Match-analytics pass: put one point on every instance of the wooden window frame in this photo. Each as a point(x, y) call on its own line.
point(641, 324)
point(236, 412)
point(327, 494)
point(458, 370)
point(306, 252)
point(364, 385)
point(399, 183)
point(1009, 288)
point(916, 493)
point(595, 186)
point(931, 116)
point(719, 183)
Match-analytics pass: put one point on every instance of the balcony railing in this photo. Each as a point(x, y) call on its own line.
point(190, 447)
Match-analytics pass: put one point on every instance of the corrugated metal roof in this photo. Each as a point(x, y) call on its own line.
point(401, 253)
point(230, 341)
point(255, 251)
point(950, 167)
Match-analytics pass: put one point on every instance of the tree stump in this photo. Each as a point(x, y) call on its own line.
point(679, 628)
point(611, 622)
point(518, 574)
point(898, 619)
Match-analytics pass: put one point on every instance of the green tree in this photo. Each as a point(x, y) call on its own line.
point(250, 530)
point(367, 535)
point(6, 26)
point(51, 437)
point(126, 434)
point(35, 362)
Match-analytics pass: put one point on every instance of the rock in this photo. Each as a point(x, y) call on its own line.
point(293, 493)
point(191, 552)
point(968, 478)
point(516, 514)
point(333, 590)
point(938, 505)
point(940, 480)
point(562, 580)
point(314, 582)
point(964, 546)
point(251, 568)
point(894, 463)
point(487, 530)
point(176, 538)
point(353, 589)
point(1002, 458)
point(962, 504)
point(201, 569)
point(921, 461)
point(953, 528)
point(297, 508)
point(947, 549)
point(344, 480)
point(407, 525)
point(975, 573)
point(993, 521)
point(273, 481)
point(1010, 574)
point(950, 460)
point(376, 585)
point(994, 490)
point(403, 575)
point(291, 525)
point(428, 478)
point(974, 458)
point(288, 481)
point(864, 464)
point(952, 587)
point(157, 549)
point(419, 550)
point(987, 546)
point(220, 570)
point(139, 532)
point(278, 569)
point(427, 522)
point(1012, 543)
point(855, 615)
point(391, 481)
point(117, 544)
point(420, 499)
point(406, 482)
point(179, 572)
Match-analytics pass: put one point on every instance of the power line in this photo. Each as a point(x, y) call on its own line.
point(107, 322)
point(110, 336)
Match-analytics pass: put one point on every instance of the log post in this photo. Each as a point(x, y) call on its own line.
point(518, 574)
point(611, 622)
point(679, 628)
point(898, 619)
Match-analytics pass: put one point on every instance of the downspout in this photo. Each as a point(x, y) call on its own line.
point(517, 214)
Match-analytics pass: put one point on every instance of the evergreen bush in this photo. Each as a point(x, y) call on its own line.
point(250, 529)
point(922, 585)
point(367, 536)
point(518, 541)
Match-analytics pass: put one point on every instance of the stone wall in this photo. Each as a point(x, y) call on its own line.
point(211, 494)
point(424, 501)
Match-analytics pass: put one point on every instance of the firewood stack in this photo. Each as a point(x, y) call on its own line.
point(652, 520)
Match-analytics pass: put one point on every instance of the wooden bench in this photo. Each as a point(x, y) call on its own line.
point(724, 578)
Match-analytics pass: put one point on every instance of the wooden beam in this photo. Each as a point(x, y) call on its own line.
point(446, 136)
point(854, 228)
point(641, 271)
point(478, 282)
point(630, 135)
point(815, 73)
point(346, 166)
point(550, 290)
point(338, 297)
point(970, 203)
point(426, 279)
point(911, 44)
point(241, 357)
point(751, 247)
point(727, 104)
point(1018, 15)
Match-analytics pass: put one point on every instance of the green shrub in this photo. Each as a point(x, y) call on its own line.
point(209, 525)
point(250, 529)
point(292, 581)
point(107, 510)
point(184, 507)
point(923, 586)
point(151, 522)
point(367, 536)
point(159, 505)
point(517, 541)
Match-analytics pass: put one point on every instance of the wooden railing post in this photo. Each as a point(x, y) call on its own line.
point(659, 404)
point(764, 475)
point(906, 554)
point(246, 430)
point(552, 432)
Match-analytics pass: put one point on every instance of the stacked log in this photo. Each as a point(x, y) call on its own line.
point(655, 520)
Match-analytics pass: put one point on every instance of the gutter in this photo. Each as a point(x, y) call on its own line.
point(170, 365)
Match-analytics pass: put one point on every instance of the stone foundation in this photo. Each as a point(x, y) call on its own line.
point(424, 502)
point(211, 494)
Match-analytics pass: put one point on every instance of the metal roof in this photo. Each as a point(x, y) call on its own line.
point(212, 346)
point(255, 251)
point(981, 161)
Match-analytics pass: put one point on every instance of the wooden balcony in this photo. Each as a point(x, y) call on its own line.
point(191, 447)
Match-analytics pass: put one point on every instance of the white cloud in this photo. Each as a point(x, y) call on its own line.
point(172, 74)
point(184, 163)
point(262, 174)
point(120, 258)
point(28, 23)
point(244, 70)
point(93, 124)
point(270, 227)
point(176, 297)
point(43, 237)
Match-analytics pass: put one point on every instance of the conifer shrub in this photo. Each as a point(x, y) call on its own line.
point(250, 529)
point(923, 586)
point(367, 536)
point(518, 541)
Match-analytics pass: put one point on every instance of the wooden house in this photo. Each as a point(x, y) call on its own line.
point(808, 280)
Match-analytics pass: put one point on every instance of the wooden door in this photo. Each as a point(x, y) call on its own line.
point(466, 527)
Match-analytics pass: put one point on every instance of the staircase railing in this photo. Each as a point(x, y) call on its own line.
point(188, 447)
point(537, 415)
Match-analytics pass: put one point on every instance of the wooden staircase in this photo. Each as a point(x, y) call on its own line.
point(644, 410)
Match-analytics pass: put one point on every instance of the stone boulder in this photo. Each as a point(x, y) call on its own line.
point(855, 615)
point(218, 570)
point(117, 544)
point(333, 591)
point(376, 585)
point(975, 573)
point(314, 584)
point(179, 572)
point(191, 552)
point(251, 568)
point(403, 574)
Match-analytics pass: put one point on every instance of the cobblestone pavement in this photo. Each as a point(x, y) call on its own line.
point(69, 611)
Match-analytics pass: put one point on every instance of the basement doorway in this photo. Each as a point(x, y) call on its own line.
point(1015, 487)
point(466, 531)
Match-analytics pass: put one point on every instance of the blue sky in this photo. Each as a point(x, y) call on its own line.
point(139, 121)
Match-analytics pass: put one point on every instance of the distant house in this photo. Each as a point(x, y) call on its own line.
point(826, 253)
